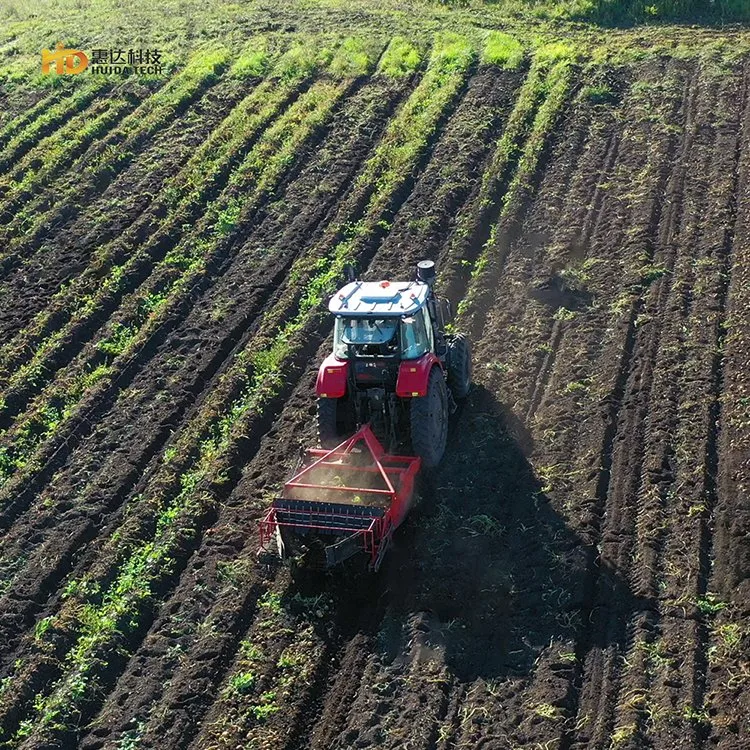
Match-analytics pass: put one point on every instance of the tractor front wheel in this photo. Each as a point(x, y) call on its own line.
point(429, 420)
point(459, 366)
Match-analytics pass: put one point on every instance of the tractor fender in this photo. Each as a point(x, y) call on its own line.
point(413, 375)
point(332, 376)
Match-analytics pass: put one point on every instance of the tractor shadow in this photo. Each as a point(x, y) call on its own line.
point(488, 570)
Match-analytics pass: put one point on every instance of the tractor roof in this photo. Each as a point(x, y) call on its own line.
point(379, 298)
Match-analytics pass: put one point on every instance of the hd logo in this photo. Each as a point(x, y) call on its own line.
point(66, 61)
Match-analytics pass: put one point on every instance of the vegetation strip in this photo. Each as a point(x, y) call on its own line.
point(58, 151)
point(401, 145)
point(112, 154)
point(474, 226)
point(114, 271)
point(557, 62)
point(112, 267)
point(48, 116)
point(171, 282)
point(26, 118)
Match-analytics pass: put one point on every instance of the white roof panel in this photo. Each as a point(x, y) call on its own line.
point(379, 298)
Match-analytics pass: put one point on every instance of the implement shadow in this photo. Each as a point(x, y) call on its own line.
point(497, 573)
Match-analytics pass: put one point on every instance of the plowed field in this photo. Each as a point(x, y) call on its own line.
point(577, 573)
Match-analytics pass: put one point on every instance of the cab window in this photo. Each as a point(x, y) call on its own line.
point(415, 339)
point(369, 336)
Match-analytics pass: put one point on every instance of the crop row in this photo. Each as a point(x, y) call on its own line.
point(57, 151)
point(147, 562)
point(110, 156)
point(121, 264)
point(275, 667)
point(173, 279)
point(21, 134)
point(284, 230)
point(548, 87)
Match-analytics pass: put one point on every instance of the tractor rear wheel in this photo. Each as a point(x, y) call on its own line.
point(334, 422)
point(459, 366)
point(429, 420)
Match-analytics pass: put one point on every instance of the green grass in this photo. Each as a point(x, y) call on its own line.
point(49, 117)
point(401, 58)
point(503, 50)
point(617, 12)
point(56, 152)
point(254, 61)
point(180, 198)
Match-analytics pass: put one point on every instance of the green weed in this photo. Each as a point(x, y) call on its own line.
point(254, 61)
point(242, 683)
point(503, 50)
point(710, 604)
point(401, 58)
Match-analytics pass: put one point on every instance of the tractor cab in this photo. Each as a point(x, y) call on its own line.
point(376, 331)
point(391, 360)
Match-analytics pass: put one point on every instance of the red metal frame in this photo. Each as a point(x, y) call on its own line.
point(376, 535)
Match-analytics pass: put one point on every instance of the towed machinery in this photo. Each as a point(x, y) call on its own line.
point(385, 394)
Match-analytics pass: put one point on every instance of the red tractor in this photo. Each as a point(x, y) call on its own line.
point(393, 378)
point(393, 366)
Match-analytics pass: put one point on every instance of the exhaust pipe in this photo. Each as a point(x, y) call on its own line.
point(426, 272)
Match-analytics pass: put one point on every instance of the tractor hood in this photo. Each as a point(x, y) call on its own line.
point(379, 298)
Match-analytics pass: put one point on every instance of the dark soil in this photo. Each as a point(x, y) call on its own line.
point(574, 574)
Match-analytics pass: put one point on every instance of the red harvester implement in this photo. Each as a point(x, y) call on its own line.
point(341, 502)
